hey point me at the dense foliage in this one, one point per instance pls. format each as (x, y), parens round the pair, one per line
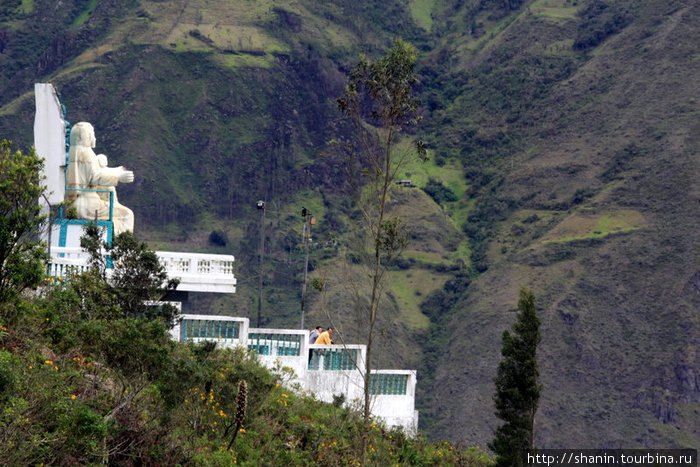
(21, 255)
(77, 389)
(439, 192)
(138, 284)
(599, 21)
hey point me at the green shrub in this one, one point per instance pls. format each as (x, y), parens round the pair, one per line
(7, 378)
(439, 192)
(599, 21)
(218, 238)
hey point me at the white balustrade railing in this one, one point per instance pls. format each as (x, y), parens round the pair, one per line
(66, 262)
(196, 263)
(68, 253)
(197, 272)
(200, 272)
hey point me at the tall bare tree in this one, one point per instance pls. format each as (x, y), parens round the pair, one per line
(380, 100)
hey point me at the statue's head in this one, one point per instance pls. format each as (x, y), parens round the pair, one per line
(82, 134)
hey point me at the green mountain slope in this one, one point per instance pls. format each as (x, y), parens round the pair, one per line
(565, 130)
(598, 214)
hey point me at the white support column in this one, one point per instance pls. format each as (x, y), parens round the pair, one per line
(50, 141)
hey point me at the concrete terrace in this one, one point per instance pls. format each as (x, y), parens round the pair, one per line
(324, 370)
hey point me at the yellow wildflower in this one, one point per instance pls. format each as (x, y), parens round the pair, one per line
(73, 396)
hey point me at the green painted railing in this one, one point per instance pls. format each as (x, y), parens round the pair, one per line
(333, 359)
(281, 345)
(388, 384)
(208, 329)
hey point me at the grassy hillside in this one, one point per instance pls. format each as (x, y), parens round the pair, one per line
(563, 137)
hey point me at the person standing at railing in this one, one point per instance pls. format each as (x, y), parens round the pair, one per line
(325, 337)
(314, 334)
(312, 339)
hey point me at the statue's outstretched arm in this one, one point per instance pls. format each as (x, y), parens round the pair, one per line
(126, 176)
(111, 176)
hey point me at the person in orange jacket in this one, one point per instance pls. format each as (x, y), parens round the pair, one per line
(325, 337)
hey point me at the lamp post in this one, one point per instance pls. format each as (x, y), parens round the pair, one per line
(48, 203)
(308, 221)
(261, 207)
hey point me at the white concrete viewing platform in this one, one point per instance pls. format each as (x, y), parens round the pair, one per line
(324, 370)
(197, 272)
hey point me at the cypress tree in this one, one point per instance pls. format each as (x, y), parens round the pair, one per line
(517, 388)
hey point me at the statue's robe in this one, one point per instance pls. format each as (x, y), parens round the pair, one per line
(85, 172)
